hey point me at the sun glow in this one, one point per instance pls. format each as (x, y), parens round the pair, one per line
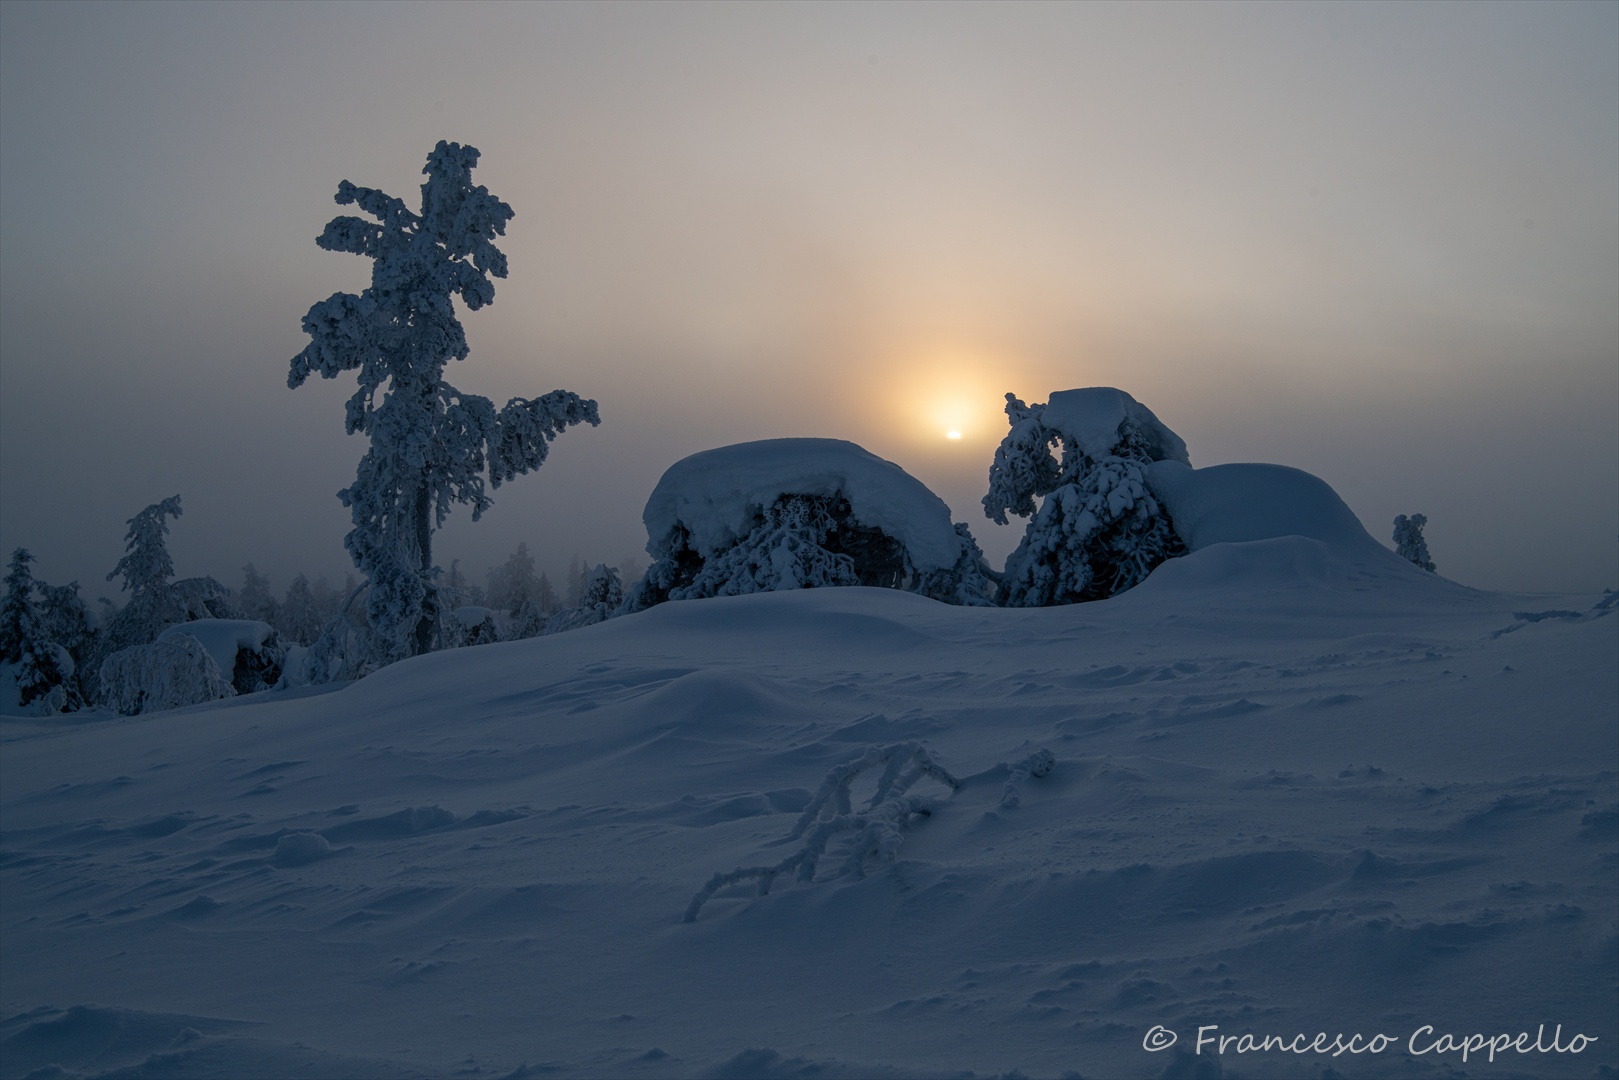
(942, 400)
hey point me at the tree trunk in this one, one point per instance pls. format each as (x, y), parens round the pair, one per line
(424, 544)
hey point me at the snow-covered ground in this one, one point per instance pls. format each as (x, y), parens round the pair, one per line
(1299, 787)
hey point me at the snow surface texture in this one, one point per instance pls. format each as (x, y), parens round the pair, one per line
(1295, 785)
(717, 495)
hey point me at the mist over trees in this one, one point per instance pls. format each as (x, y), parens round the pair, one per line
(764, 516)
(819, 513)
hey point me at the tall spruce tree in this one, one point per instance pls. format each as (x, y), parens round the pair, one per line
(431, 446)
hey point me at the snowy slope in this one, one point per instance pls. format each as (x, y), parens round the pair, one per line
(1299, 787)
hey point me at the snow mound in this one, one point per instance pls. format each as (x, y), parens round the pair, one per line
(222, 638)
(1091, 418)
(1234, 504)
(717, 495)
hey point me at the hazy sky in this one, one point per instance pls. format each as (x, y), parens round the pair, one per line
(1376, 241)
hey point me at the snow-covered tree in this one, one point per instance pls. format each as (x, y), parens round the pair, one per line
(799, 514)
(460, 588)
(146, 566)
(431, 446)
(1409, 542)
(66, 621)
(1097, 529)
(602, 596)
(573, 590)
(298, 617)
(164, 674)
(255, 599)
(513, 582)
(19, 621)
(545, 597)
(44, 669)
(530, 621)
(152, 606)
(155, 603)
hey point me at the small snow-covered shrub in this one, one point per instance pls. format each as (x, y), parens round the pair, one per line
(161, 675)
(798, 514)
(1097, 529)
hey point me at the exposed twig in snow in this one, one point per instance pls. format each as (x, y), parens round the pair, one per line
(1038, 764)
(829, 813)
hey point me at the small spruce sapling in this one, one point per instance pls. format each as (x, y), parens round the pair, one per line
(431, 446)
(1409, 542)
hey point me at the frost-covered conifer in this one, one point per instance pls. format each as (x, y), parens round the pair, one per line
(298, 618)
(431, 445)
(600, 599)
(44, 669)
(462, 591)
(545, 597)
(65, 617)
(530, 621)
(574, 588)
(155, 602)
(513, 583)
(19, 621)
(1409, 542)
(255, 601)
(1097, 529)
(152, 606)
(146, 566)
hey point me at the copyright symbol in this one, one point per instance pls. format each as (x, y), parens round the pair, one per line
(1159, 1038)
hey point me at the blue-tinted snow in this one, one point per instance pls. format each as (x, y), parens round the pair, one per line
(1298, 786)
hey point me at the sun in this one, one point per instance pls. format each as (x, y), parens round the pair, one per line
(953, 435)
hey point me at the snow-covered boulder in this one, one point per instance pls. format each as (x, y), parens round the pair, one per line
(801, 513)
(1233, 504)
